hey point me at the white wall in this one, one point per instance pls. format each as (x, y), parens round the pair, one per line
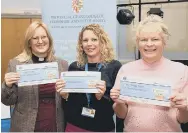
(176, 18)
(16, 6)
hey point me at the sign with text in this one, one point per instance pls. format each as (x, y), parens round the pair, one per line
(66, 18)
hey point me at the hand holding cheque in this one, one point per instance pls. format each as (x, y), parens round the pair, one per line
(114, 94)
(179, 100)
(11, 78)
(149, 93)
(33, 74)
(81, 82)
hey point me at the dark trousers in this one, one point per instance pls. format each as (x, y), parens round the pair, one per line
(119, 124)
(184, 127)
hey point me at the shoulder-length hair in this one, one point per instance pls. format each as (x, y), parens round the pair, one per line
(27, 52)
(106, 49)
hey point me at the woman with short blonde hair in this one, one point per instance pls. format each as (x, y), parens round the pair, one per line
(159, 86)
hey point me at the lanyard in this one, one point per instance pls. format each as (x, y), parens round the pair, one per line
(88, 95)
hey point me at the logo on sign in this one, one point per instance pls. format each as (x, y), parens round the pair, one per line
(77, 5)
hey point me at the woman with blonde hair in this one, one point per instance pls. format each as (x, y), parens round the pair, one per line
(38, 108)
(95, 53)
(151, 37)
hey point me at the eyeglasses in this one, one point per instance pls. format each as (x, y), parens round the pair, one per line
(36, 39)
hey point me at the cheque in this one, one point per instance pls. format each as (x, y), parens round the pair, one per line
(81, 81)
(145, 92)
(33, 74)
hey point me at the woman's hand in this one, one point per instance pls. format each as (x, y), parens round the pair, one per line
(120, 106)
(11, 78)
(114, 95)
(179, 100)
(101, 85)
(60, 84)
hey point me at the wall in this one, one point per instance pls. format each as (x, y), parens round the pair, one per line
(175, 16)
(19, 5)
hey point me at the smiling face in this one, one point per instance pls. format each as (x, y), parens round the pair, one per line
(91, 46)
(40, 42)
(150, 44)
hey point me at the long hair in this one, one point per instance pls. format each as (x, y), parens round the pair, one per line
(27, 52)
(106, 49)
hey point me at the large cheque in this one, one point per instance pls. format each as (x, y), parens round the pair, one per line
(145, 92)
(81, 81)
(34, 74)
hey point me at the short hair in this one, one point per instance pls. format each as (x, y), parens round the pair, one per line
(27, 52)
(106, 49)
(158, 22)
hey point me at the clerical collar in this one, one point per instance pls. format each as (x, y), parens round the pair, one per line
(38, 59)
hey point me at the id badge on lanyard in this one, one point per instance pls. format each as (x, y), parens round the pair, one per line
(88, 111)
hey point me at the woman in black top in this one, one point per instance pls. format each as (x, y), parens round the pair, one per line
(95, 53)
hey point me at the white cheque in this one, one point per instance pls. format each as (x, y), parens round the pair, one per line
(81, 81)
(145, 91)
(33, 74)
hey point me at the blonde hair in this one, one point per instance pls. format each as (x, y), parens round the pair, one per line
(106, 49)
(156, 21)
(27, 52)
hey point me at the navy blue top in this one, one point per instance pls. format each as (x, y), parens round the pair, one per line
(103, 120)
